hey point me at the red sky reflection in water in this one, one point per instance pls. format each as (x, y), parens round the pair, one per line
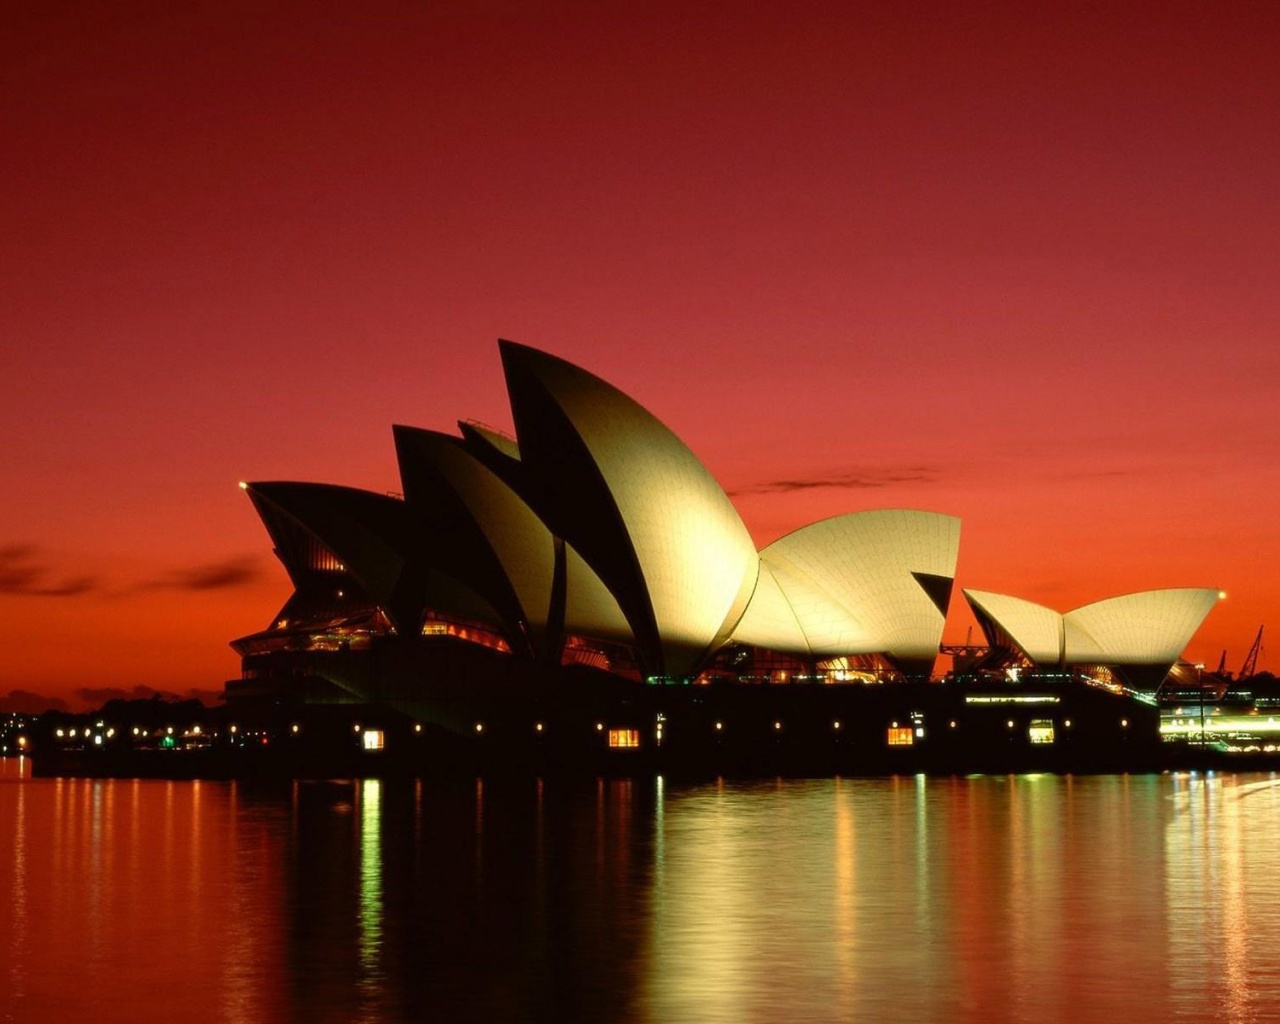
(1009, 263)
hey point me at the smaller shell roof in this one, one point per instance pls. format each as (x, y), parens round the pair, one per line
(367, 533)
(1147, 628)
(1151, 627)
(860, 583)
(1032, 628)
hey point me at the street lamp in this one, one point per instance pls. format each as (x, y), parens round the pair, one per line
(1200, 687)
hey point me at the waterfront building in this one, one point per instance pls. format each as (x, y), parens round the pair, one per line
(559, 574)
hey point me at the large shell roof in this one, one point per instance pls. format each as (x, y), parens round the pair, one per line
(636, 503)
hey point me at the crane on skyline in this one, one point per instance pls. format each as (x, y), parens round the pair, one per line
(1250, 666)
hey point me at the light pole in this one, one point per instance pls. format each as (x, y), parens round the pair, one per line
(1200, 687)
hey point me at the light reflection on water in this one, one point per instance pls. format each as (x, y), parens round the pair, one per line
(371, 980)
(1029, 898)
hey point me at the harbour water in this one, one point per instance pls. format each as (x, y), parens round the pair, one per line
(982, 899)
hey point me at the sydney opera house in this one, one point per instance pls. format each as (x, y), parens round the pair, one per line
(589, 576)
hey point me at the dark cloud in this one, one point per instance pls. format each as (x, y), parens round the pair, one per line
(24, 702)
(232, 572)
(24, 572)
(96, 696)
(206, 697)
(856, 479)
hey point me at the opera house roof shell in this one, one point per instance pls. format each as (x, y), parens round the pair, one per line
(1150, 628)
(597, 525)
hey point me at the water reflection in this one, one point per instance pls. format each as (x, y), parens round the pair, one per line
(1223, 892)
(1022, 898)
(122, 904)
(959, 900)
(370, 917)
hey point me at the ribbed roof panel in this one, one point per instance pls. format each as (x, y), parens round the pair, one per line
(853, 585)
(643, 511)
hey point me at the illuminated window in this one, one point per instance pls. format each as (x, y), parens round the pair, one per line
(374, 739)
(1041, 730)
(624, 737)
(901, 737)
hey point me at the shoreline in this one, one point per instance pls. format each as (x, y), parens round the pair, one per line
(236, 764)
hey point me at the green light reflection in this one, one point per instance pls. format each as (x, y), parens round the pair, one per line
(370, 877)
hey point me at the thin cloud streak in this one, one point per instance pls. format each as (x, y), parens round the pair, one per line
(25, 572)
(859, 479)
(22, 572)
(232, 572)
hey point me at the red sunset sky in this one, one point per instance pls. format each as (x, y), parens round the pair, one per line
(1016, 262)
